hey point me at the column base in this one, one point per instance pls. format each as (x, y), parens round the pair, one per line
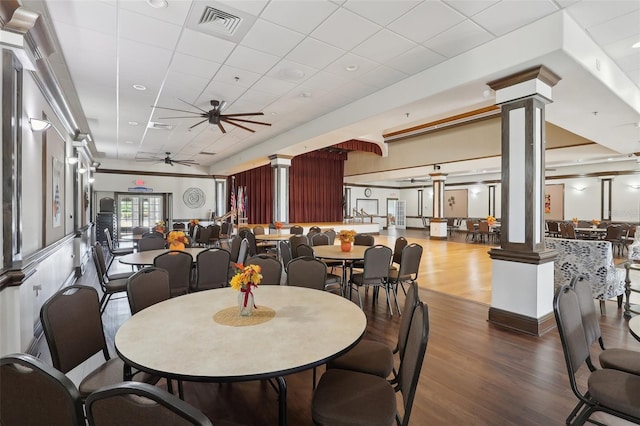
(521, 323)
(438, 229)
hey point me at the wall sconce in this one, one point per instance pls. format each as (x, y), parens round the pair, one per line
(82, 169)
(475, 192)
(91, 179)
(635, 186)
(580, 188)
(38, 125)
(72, 160)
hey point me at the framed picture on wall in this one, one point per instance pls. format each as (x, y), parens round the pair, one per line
(57, 188)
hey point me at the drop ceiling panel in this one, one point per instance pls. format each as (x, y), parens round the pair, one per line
(315, 53)
(251, 60)
(618, 28)
(291, 72)
(382, 13)
(271, 38)
(363, 66)
(458, 39)
(415, 60)
(345, 30)
(383, 46)
(506, 16)
(324, 81)
(227, 75)
(591, 13)
(425, 21)
(273, 86)
(191, 66)
(83, 14)
(301, 16)
(204, 46)
(175, 12)
(143, 64)
(382, 77)
(144, 29)
(470, 7)
(254, 7)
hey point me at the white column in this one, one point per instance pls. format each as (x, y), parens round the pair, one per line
(522, 270)
(280, 166)
(438, 223)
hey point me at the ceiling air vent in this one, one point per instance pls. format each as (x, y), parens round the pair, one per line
(207, 153)
(159, 126)
(219, 20)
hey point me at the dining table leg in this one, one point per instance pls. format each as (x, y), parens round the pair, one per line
(282, 401)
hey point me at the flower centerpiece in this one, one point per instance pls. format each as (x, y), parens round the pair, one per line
(177, 240)
(193, 222)
(491, 220)
(245, 278)
(346, 237)
(278, 226)
(160, 226)
(595, 223)
(575, 221)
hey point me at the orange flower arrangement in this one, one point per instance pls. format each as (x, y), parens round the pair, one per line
(177, 237)
(347, 236)
(595, 222)
(278, 225)
(194, 222)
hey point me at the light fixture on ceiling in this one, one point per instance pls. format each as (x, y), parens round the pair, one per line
(351, 67)
(139, 87)
(636, 45)
(129, 142)
(133, 123)
(158, 4)
(72, 160)
(38, 125)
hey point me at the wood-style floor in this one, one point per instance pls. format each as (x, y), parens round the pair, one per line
(473, 374)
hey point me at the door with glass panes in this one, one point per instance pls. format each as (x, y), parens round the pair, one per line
(138, 210)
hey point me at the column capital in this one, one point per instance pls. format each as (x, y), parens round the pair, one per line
(438, 176)
(280, 160)
(531, 82)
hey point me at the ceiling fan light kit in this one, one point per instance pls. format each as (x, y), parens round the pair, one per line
(216, 117)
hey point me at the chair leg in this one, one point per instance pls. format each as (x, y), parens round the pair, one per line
(603, 308)
(104, 301)
(620, 301)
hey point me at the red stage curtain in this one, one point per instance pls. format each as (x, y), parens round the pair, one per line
(315, 187)
(259, 193)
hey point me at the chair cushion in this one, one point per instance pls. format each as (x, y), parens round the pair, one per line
(351, 398)
(109, 373)
(121, 251)
(616, 389)
(368, 356)
(621, 359)
(120, 276)
(114, 286)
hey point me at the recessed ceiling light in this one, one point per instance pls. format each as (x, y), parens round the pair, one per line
(636, 45)
(129, 142)
(351, 68)
(291, 73)
(609, 159)
(133, 123)
(305, 94)
(274, 113)
(158, 4)
(139, 87)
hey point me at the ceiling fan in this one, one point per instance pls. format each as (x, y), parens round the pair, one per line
(170, 161)
(215, 116)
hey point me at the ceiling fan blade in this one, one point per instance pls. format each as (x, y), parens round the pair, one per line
(179, 110)
(244, 114)
(221, 106)
(236, 124)
(221, 128)
(187, 162)
(248, 121)
(195, 106)
(191, 116)
(198, 123)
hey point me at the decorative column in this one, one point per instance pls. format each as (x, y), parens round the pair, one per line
(522, 270)
(438, 223)
(280, 166)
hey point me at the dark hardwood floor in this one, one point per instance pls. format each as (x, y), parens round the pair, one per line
(473, 374)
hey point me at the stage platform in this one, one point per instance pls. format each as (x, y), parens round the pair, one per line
(359, 227)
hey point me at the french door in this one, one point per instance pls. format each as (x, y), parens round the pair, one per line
(138, 210)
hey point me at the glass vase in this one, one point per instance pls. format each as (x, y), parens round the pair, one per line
(245, 304)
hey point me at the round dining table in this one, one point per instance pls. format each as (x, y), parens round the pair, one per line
(145, 258)
(334, 252)
(188, 338)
